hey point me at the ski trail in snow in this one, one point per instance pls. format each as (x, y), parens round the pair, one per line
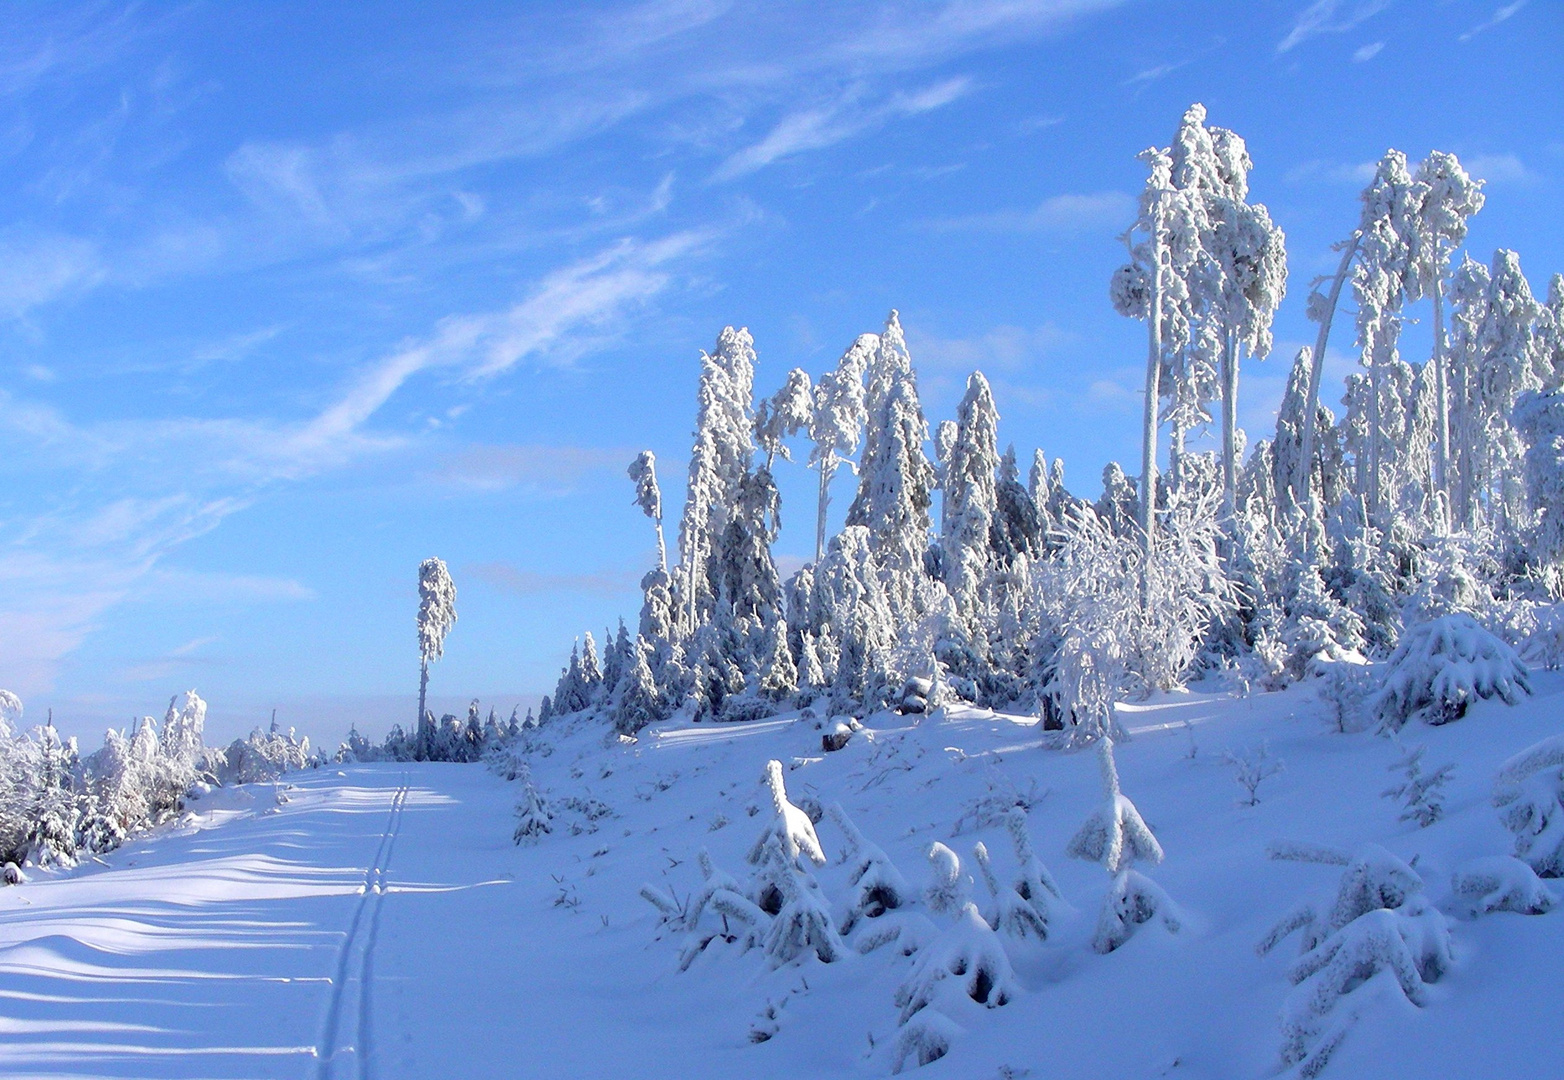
(365, 1055)
(353, 965)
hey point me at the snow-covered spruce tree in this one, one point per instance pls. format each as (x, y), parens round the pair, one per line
(970, 498)
(1450, 198)
(533, 817)
(1507, 367)
(1539, 418)
(1467, 293)
(1420, 794)
(857, 629)
(802, 922)
(837, 422)
(637, 702)
(719, 465)
(1033, 881)
(783, 415)
(1009, 913)
(1501, 883)
(51, 835)
(1379, 921)
(895, 479)
(1550, 334)
(1116, 836)
(794, 832)
(643, 474)
(1529, 795)
(436, 616)
(1442, 666)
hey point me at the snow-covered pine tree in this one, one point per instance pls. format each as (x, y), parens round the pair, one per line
(1508, 366)
(1539, 419)
(970, 500)
(719, 465)
(837, 422)
(895, 479)
(643, 474)
(1116, 836)
(786, 413)
(1450, 198)
(637, 703)
(436, 616)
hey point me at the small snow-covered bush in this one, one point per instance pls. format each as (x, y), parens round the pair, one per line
(925, 1039)
(1529, 795)
(877, 886)
(1440, 666)
(1133, 900)
(1010, 913)
(1033, 881)
(1545, 644)
(1380, 921)
(803, 924)
(949, 889)
(970, 955)
(1501, 883)
(1253, 768)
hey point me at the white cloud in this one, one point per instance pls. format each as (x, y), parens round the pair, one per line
(827, 125)
(1366, 53)
(540, 468)
(1500, 169)
(1056, 214)
(36, 270)
(1329, 17)
(1500, 15)
(1359, 173)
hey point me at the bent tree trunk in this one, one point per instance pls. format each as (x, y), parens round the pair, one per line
(1304, 476)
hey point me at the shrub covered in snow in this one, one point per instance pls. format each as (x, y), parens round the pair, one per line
(1441, 666)
(1529, 795)
(877, 886)
(969, 958)
(1379, 921)
(1420, 794)
(1501, 883)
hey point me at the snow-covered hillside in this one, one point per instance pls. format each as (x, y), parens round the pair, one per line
(377, 920)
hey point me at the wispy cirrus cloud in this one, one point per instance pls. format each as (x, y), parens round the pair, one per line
(544, 469)
(1057, 214)
(817, 128)
(1502, 14)
(1329, 17)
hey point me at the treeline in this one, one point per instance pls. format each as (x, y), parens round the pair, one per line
(1439, 489)
(58, 806)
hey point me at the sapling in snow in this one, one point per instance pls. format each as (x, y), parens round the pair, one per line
(802, 924)
(1380, 920)
(949, 888)
(877, 886)
(1251, 769)
(1011, 914)
(533, 816)
(1033, 881)
(1420, 794)
(1116, 836)
(968, 955)
(789, 825)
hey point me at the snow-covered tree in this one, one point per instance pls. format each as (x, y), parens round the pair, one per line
(970, 499)
(1442, 666)
(895, 479)
(436, 616)
(1539, 419)
(837, 422)
(1529, 795)
(643, 474)
(786, 413)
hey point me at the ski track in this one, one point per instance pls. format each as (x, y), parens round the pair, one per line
(355, 962)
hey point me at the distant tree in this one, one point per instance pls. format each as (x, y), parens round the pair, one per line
(436, 616)
(643, 473)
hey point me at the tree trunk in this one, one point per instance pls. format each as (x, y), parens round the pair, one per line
(662, 548)
(423, 687)
(1230, 423)
(1148, 452)
(1442, 389)
(1375, 430)
(1312, 405)
(827, 470)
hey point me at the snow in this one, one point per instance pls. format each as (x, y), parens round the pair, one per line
(380, 921)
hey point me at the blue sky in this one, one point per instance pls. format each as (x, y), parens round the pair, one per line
(295, 295)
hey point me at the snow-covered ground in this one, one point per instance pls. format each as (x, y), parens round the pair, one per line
(378, 921)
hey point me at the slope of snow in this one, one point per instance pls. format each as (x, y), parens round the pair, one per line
(380, 922)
